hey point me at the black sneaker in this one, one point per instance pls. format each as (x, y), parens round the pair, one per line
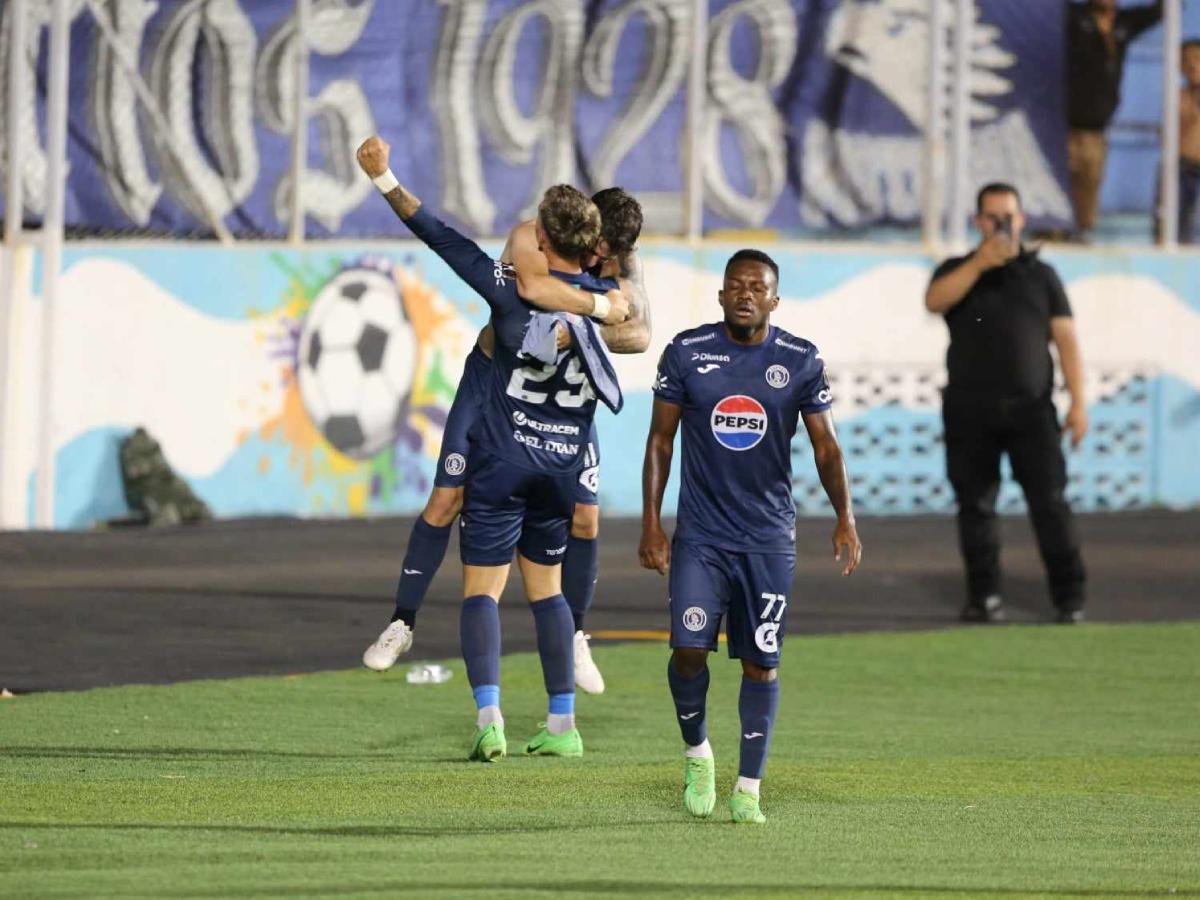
(990, 611)
(1070, 617)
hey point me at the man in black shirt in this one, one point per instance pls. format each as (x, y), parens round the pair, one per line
(1098, 34)
(1003, 306)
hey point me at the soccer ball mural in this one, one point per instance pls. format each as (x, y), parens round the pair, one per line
(355, 361)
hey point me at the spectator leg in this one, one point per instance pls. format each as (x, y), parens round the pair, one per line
(1035, 450)
(1189, 194)
(973, 467)
(1086, 155)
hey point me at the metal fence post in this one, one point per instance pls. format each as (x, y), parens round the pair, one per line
(1168, 202)
(933, 205)
(960, 128)
(15, 184)
(300, 126)
(697, 93)
(52, 244)
(14, 213)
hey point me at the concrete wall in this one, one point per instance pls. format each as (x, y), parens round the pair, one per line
(201, 345)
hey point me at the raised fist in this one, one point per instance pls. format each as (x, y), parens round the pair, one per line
(618, 310)
(373, 156)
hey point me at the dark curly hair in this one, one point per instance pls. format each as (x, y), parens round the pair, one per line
(620, 218)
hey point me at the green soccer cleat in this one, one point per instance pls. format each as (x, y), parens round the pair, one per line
(744, 807)
(699, 786)
(569, 743)
(489, 743)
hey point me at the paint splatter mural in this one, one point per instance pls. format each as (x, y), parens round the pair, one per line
(317, 382)
(362, 350)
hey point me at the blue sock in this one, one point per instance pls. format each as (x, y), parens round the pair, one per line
(426, 550)
(486, 695)
(757, 705)
(690, 695)
(581, 564)
(556, 646)
(479, 631)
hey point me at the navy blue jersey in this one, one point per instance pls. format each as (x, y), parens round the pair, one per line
(533, 415)
(741, 406)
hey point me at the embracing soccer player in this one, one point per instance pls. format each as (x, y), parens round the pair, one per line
(538, 399)
(739, 386)
(626, 329)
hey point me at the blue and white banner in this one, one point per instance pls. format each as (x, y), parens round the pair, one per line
(814, 109)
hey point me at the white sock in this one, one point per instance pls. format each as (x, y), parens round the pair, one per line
(749, 785)
(700, 751)
(488, 715)
(560, 723)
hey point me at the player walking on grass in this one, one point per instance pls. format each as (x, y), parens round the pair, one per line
(528, 451)
(739, 386)
(615, 256)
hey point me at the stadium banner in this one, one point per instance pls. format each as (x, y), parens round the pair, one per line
(814, 110)
(212, 350)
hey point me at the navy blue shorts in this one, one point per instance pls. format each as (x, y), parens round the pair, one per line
(507, 507)
(751, 589)
(464, 411)
(455, 455)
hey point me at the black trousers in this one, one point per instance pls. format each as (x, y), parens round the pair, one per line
(978, 430)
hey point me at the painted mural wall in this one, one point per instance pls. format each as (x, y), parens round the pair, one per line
(317, 382)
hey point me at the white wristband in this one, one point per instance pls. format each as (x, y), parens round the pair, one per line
(600, 307)
(386, 182)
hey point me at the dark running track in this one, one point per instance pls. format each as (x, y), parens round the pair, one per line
(258, 597)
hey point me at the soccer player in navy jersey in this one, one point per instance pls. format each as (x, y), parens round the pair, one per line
(739, 386)
(529, 446)
(615, 256)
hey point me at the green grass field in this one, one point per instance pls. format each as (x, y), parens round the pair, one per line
(1030, 761)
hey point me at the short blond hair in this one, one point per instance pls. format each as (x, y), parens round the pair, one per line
(571, 222)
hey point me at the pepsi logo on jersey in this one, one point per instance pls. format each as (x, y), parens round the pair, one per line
(738, 422)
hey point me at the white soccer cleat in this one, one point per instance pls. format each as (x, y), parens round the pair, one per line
(396, 639)
(587, 676)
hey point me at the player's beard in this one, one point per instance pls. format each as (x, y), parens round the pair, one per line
(744, 334)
